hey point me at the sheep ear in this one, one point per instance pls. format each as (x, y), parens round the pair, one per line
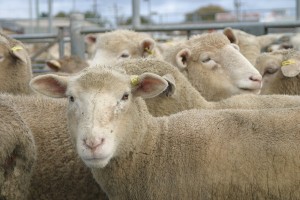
(20, 53)
(171, 85)
(148, 47)
(148, 85)
(182, 58)
(90, 39)
(53, 64)
(290, 68)
(230, 35)
(50, 85)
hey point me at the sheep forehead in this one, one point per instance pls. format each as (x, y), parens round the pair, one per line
(99, 78)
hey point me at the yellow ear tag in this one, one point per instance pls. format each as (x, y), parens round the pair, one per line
(16, 48)
(287, 62)
(151, 52)
(135, 80)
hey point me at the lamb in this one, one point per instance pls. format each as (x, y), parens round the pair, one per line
(15, 66)
(17, 154)
(250, 45)
(214, 66)
(67, 64)
(181, 95)
(280, 70)
(117, 45)
(58, 174)
(232, 154)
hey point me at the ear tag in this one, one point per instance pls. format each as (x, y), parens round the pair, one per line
(287, 62)
(135, 80)
(16, 48)
(150, 52)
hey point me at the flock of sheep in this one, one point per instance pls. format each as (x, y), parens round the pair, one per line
(209, 117)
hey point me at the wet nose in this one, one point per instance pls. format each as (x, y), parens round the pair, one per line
(93, 144)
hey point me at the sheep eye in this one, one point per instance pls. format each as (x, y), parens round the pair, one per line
(271, 70)
(71, 99)
(124, 55)
(125, 96)
(206, 60)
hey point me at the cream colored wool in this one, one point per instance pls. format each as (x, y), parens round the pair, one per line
(17, 155)
(195, 154)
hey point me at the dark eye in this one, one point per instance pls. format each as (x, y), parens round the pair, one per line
(71, 99)
(125, 96)
(270, 70)
(124, 55)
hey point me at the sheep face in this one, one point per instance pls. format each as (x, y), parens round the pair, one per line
(217, 69)
(100, 107)
(123, 44)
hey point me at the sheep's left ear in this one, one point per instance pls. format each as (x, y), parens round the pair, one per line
(50, 85)
(54, 65)
(148, 85)
(290, 68)
(148, 47)
(230, 35)
(19, 52)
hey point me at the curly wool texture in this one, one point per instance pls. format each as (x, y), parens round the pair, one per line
(277, 83)
(17, 155)
(15, 74)
(58, 173)
(187, 97)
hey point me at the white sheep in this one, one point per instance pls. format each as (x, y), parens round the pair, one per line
(232, 154)
(58, 173)
(17, 154)
(280, 70)
(15, 66)
(181, 95)
(214, 66)
(250, 45)
(117, 45)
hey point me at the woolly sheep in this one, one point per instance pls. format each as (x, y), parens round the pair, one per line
(250, 45)
(17, 155)
(67, 64)
(214, 66)
(286, 41)
(181, 95)
(117, 45)
(58, 174)
(233, 154)
(15, 66)
(280, 70)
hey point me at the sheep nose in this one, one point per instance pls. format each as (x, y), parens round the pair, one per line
(93, 144)
(256, 78)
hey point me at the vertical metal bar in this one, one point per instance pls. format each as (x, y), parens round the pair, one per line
(297, 9)
(61, 43)
(50, 16)
(37, 13)
(30, 16)
(136, 21)
(77, 42)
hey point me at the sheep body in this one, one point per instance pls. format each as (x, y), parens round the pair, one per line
(17, 155)
(236, 154)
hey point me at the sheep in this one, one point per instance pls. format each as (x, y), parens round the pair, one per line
(181, 95)
(15, 66)
(58, 174)
(117, 45)
(232, 154)
(214, 66)
(286, 41)
(67, 64)
(250, 45)
(280, 71)
(17, 154)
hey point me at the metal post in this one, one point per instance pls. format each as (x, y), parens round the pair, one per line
(77, 42)
(136, 21)
(37, 13)
(50, 17)
(61, 43)
(297, 9)
(30, 16)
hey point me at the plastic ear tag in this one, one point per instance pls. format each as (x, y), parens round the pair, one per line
(151, 52)
(287, 62)
(135, 80)
(16, 48)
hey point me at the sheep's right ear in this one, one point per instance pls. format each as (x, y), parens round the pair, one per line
(20, 53)
(290, 68)
(182, 58)
(90, 39)
(50, 85)
(230, 35)
(171, 85)
(54, 65)
(148, 85)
